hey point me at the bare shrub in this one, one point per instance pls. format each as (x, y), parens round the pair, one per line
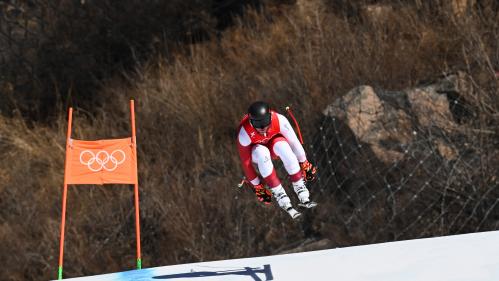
(188, 106)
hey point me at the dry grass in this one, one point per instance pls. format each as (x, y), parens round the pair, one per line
(187, 110)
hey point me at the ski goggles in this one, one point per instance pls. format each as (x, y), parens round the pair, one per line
(260, 123)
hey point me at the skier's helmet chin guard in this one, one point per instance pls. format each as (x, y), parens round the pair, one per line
(259, 114)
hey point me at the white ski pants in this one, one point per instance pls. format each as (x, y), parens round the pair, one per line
(262, 157)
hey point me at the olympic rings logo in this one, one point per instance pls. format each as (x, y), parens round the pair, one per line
(102, 160)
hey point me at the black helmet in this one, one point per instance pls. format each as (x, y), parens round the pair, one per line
(259, 114)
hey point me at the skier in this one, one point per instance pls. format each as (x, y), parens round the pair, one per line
(263, 135)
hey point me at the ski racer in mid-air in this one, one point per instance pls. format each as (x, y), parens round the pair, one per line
(264, 135)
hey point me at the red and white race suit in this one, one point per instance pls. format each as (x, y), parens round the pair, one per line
(280, 141)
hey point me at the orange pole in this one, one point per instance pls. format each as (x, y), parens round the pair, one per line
(288, 109)
(64, 194)
(136, 190)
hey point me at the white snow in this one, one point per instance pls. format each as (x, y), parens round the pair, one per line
(468, 257)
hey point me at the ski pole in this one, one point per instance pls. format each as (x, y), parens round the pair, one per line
(243, 182)
(288, 109)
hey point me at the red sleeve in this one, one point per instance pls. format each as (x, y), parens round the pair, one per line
(245, 155)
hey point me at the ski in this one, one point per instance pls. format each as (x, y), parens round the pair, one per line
(308, 205)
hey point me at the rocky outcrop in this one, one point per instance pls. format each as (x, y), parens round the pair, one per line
(402, 164)
(378, 117)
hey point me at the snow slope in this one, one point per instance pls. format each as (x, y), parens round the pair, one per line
(468, 257)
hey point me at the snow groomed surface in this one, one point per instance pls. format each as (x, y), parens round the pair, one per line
(468, 257)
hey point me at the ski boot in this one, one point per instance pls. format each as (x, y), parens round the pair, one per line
(303, 195)
(293, 213)
(284, 202)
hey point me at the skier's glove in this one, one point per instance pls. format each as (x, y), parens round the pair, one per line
(309, 171)
(262, 193)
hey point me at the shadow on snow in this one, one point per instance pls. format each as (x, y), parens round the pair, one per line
(245, 271)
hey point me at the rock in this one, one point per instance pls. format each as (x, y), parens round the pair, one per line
(431, 108)
(458, 83)
(388, 121)
(446, 150)
(373, 121)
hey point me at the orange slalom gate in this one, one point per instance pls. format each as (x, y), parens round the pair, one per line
(110, 161)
